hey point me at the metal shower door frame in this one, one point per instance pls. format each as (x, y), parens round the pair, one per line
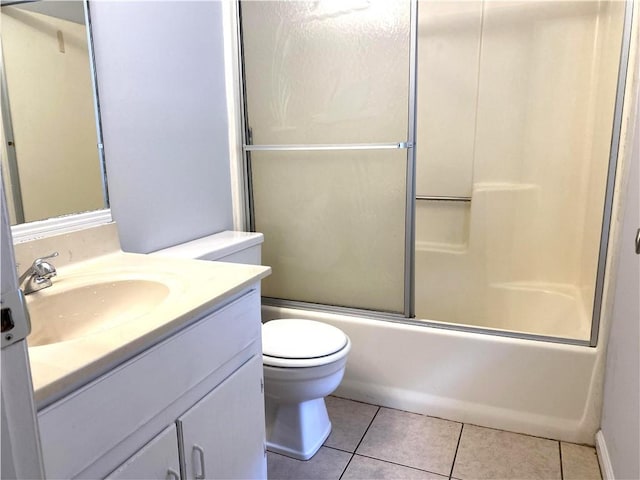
(408, 317)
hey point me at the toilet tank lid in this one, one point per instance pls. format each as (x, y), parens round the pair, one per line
(297, 338)
(213, 246)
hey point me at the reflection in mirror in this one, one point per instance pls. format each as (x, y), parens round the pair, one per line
(51, 161)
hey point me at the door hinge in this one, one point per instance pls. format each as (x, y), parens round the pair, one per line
(261, 385)
(15, 318)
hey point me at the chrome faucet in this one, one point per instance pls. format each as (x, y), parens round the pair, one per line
(38, 276)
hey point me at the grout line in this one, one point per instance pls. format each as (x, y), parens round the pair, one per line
(355, 401)
(514, 432)
(402, 465)
(561, 469)
(423, 414)
(361, 438)
(337, 449)
(417, 413)
(365, 432)
(346, 466)
(453, 464)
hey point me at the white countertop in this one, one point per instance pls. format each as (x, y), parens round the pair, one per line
(196, 287)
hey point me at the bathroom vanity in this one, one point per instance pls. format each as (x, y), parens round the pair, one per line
(197, 392)
(174, 392)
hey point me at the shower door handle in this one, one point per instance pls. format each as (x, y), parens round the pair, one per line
(638, 242)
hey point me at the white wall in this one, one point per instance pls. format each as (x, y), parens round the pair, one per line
(621, 409)
(160, 68)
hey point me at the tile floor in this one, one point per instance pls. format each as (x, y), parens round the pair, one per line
(370, 442)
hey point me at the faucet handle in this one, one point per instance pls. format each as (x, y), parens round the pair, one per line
(51, 255)
(44, 269)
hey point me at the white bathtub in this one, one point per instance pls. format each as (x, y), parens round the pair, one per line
(539, 388)
(551, 310)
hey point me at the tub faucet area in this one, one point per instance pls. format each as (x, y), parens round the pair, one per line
(38, 275)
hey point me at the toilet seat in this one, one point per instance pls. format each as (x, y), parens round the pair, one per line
(292, 343)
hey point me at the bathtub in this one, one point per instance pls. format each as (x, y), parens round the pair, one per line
(487, 264)
(544, 389)
(542, 309)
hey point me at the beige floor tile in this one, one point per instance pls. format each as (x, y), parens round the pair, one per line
(349, 420)
(413, 440)
(579, 462)
(327, 464)
(371, 469)
(484, 453)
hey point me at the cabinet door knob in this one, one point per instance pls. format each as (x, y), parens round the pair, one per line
(198, 449)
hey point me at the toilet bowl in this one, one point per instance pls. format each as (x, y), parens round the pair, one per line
(304, 360)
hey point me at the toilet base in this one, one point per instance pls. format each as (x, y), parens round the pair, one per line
(297, 430)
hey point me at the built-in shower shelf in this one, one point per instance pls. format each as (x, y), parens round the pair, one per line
(446, 248)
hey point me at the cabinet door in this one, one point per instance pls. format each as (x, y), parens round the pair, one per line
(158, 459)
(224, 433)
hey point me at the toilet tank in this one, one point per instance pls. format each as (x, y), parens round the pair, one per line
(234, 247)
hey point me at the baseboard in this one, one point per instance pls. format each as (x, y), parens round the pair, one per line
(603, 457)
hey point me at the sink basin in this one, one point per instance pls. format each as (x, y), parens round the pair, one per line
(69, 310)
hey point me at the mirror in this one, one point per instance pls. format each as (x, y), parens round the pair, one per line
(52, 161)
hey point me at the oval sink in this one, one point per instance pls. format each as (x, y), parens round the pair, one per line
(76, 311)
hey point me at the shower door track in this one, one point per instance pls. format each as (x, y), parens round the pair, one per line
(400, 318)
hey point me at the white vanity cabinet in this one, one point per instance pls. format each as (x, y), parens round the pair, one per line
(226, 445)
(218, 437)
(189, 405)
(157, 460)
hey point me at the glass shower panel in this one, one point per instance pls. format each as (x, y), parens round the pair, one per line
(334, 225)
(524, 256)
(326, 72)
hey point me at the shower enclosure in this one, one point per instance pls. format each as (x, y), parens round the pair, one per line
(438, 163)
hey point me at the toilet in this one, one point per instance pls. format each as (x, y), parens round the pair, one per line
(303, 360)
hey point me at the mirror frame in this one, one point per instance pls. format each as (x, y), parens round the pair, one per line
(25, 232)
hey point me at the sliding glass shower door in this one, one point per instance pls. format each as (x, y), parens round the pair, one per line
(327, 127)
